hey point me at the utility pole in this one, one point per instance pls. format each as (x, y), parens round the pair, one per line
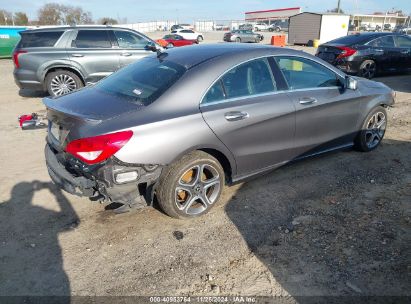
(338, 7)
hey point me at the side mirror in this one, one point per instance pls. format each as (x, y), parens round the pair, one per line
(151, 46)
(350, 83)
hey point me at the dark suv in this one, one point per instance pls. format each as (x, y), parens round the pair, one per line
(62, 59)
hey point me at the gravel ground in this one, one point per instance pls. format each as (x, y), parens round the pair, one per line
(333, 225)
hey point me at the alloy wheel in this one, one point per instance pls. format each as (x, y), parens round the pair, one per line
(368, 70)
(62, 84)
(375, 129)
(198, 188)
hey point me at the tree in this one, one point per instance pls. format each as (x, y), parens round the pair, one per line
(335, 10)
(75, 15)
(50, 14)
(21, 18)
(5, 18)
(55, 14)
(107, 20)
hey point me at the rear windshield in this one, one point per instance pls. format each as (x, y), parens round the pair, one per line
(142, 82)
(39, 39)
(349, 40)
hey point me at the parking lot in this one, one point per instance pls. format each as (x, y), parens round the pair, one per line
(338, 224)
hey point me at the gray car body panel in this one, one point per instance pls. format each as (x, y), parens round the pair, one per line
(92, 64)
(176, 123)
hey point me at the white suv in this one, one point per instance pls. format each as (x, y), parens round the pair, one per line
(261, 27)
(189, 34)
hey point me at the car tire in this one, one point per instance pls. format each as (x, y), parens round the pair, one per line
(61, 82)
(271, 29)
(278, 29)
(372, 130)
(256, 29)
(238, 39)
(179, 185)
(170, 45)
(200, 39)
(368, 69)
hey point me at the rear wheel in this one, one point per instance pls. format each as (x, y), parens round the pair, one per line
(368, 69)
(191, 186)
(170, 45)
(277, 29)
(372, 130)
(62, 82)
(238, 39)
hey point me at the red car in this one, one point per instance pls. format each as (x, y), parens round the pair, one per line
(177, 40)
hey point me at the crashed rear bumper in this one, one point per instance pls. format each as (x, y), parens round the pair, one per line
(100, 182)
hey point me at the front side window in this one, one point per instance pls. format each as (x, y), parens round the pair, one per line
(92, 39)
(403, 41)
(143, 81)
(248, 79)
(127, 40)
(301, 73)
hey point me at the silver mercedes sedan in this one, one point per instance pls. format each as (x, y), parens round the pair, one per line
(180, 125)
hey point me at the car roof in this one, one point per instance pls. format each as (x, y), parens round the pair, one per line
(64, 28)
(194, 55)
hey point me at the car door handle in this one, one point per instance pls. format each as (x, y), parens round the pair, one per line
(77, 55)
(234, 116)
(307, 100)
(126, 54)
(379, 50)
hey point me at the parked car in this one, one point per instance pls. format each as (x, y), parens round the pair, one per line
(368, 54)
(261, 27)
(189, 34)
(402, 30)
(279, 26)
(60, 60)
(182, 26)
(180, 125)
(221, 27)
(177, 40)
(370, 28)
(387, 27)
(242, 36)
(246, 26)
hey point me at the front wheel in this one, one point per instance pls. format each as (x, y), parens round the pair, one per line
(238, 39)
(368, 69)
(191, 186)
(200, 38)
(372, 130)
(170, 45)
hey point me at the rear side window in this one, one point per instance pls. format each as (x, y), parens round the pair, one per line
(39, 39)
(248, 79)
(301, 73)
(92, 39)
(403, 41)
(385, 41)
(143, 81)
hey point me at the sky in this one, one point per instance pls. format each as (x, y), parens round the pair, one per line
(190, 10)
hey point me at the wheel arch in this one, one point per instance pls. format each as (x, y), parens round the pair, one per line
(62, 67)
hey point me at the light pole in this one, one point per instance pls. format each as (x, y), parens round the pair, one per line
(338, 7)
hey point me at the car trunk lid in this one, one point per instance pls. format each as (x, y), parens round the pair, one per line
(72, 116)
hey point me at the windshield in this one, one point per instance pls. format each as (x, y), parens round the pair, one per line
(142, 82)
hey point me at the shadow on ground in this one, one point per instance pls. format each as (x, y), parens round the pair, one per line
(339, 226)
(31, 263)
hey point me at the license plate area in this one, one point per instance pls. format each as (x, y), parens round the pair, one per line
(55, 131)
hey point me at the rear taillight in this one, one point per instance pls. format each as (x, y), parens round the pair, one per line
(16, 58)
(346, 51)
(93, 150)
